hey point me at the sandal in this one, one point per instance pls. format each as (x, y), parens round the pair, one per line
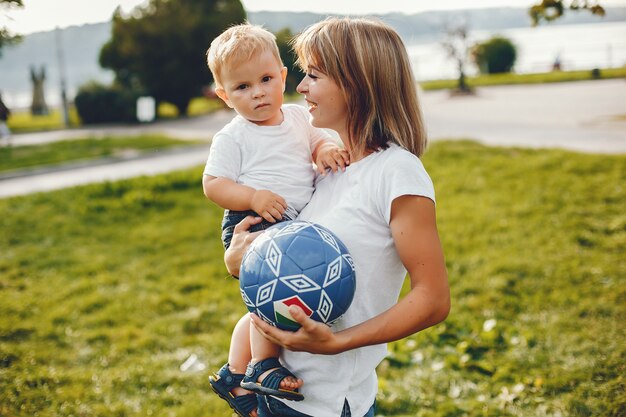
(223, 383)
(271, 382)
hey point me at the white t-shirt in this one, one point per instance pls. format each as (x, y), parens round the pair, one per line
(275, 158)
(356, 206)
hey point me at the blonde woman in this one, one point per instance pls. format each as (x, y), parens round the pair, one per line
(359, 83)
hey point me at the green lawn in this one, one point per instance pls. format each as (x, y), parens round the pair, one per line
(23, 121)
(106, 289)
(538, 78)
(21, 157)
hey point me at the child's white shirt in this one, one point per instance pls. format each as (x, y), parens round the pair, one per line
(275, 158)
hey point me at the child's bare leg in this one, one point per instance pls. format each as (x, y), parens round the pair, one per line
(263, 349)
(240, 354)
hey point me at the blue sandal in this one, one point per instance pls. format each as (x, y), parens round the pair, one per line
(271, 382)
(223, 383)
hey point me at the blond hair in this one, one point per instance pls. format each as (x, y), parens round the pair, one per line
(368, 61)
(237, 45)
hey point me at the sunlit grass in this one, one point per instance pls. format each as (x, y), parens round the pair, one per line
(197, 106)
(538, 78)
(106, 289)
(534, 242)
(21, 157)
(24, 121)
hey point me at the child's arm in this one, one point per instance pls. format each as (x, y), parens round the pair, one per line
(228, 194)
(329, 155)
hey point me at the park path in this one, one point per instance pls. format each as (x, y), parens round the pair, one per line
(586, 116)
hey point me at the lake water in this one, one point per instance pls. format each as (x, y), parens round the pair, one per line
(579, 47)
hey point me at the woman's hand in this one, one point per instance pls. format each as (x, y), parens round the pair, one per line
(313, 337)
(239, 244)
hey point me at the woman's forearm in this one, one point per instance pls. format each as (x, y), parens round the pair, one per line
(419, 309)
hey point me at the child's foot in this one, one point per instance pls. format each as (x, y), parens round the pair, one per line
(226, 384)
(290, 382)
(269, 377)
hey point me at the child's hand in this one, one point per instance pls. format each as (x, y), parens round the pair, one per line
(333, 158)
(268, 205)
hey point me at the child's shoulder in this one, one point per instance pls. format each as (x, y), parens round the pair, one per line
(294, 110)
(234, 126)
(297, 115)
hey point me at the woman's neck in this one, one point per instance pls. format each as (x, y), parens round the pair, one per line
(354, 156)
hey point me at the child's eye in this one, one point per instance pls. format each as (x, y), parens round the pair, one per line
(266, 78)
(242, 86)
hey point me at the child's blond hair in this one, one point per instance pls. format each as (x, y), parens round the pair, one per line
(237, 45)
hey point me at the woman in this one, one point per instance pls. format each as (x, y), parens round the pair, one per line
(359, 83)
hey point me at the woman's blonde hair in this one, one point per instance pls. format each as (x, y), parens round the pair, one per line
(368, 61)
(237, 45)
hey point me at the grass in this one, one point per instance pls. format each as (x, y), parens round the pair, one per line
(22, 157)
(534, 242)
(538, 78)
(106, 289)
(23, 121)
(197, 106)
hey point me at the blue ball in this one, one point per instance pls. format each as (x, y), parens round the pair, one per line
(301, 263)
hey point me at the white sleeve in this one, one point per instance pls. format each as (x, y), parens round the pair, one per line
(315, 135)
(224, 158)
(404, 175)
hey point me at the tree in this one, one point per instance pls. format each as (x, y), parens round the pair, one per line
(456, 44)
(495, 56)
(549, 10)
(283, 39)
(161, 47)
(6, 37)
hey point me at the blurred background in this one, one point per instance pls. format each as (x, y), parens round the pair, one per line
(79, 44)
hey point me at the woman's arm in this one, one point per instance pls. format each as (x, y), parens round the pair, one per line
(414, 230)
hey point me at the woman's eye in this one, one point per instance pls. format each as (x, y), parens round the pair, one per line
(311, 76)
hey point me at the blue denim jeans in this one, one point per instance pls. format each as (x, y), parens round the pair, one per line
(271, 407)
(230, 220)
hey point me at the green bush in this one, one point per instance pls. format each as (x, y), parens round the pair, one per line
(97, 103)
(495, 56)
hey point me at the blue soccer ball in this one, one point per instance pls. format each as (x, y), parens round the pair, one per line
(301, 263)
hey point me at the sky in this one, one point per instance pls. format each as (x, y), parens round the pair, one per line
(42, 15)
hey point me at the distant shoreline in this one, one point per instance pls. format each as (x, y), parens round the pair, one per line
(82, 45)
